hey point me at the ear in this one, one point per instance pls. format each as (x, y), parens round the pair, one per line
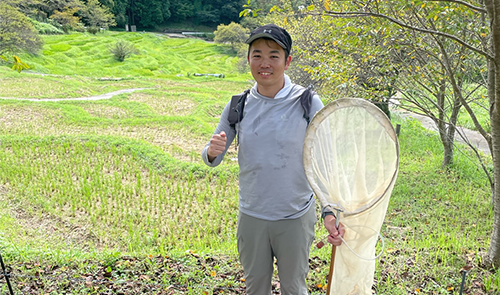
(287, 62)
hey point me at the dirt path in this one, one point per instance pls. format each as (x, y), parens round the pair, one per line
(474, 137)
(96, 97)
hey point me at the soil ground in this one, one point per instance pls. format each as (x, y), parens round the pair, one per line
(463, 135)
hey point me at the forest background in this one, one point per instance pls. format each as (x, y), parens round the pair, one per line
(149, 15)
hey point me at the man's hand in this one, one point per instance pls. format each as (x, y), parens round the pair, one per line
(217, 145)
(335, 233)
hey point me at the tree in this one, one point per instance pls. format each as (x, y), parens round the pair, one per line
(47, 8)
(28, 7)
(493, 59)
(206, 12)
(226, 11)
(120, 12)
(472, 29)
(106, 3)
(150, 13)
(310, 65)
(233, 33)
(181, 10)
(73, 14)
(442, 74)
(68, 18)
(97, 16)
(482, 38)
(343, 57)
(16, 31)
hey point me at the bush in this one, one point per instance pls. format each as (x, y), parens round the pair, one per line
(233, 33)
(123, 49)
(93, 30)
(209, 36)
(16, 31)
(46, 28)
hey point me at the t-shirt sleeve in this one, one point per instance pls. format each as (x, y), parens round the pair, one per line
(230, 134)
(316, 105)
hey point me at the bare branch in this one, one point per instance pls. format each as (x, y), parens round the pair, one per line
(404, 25)
(476, 8)
(458, 93)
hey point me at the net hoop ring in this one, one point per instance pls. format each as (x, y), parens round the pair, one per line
(316, 121)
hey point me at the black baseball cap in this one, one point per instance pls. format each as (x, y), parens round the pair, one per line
(273, 32)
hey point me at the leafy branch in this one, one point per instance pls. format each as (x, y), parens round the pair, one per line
(404, 25)
(248, 10)
(18, 65)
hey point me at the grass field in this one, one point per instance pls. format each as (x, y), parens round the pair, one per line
(111, 196)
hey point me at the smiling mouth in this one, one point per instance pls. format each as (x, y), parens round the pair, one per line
(265, 73)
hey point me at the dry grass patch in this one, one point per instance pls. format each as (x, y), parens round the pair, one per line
(165, 105)
(34, 86)
(40, 87)
(28, 118)
(181, 144)
(108, 112)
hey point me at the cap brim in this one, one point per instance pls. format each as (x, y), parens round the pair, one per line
(265, 35)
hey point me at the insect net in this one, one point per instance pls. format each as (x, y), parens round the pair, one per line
(351, 158)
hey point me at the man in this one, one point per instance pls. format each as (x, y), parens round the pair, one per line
(277, 205)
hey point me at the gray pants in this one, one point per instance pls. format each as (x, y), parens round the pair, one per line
(259, 241)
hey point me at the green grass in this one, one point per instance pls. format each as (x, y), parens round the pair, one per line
(107, 185)
(159, 56)
(438, 220)
(95, 192)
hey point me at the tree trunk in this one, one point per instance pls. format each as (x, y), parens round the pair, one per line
(493, 256)
(450, 134)
(493, 7)
(445, 130)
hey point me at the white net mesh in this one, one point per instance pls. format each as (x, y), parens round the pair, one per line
(351, 157)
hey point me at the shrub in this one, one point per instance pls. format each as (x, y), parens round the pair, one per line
(123, 49)
(209, 36)
(46, 28)
(93, 30)
(233, 33)
(16, 31)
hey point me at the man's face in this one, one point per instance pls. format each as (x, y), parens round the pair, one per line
(268, 63)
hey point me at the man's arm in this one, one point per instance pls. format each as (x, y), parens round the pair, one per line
(216, 148)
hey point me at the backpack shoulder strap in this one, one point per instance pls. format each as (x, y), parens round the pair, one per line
(306, 101)
(236, 107)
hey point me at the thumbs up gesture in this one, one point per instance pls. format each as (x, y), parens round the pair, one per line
(217, 145)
